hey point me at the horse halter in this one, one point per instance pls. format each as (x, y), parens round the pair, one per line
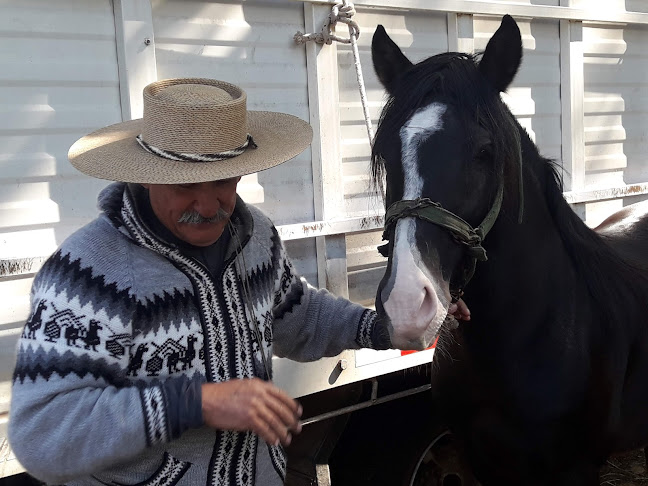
(462, 232)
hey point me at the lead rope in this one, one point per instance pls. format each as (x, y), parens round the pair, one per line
(247, 297)
(343, 12)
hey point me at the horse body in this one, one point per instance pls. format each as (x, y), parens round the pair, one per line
(545, 381)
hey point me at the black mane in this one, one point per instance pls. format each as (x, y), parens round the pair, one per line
(608, 276)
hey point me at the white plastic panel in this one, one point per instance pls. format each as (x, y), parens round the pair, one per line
(616, 104)
(58, 81)
(534, 95)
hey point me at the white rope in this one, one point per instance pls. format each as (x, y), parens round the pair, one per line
(353, 35)
(342, 12)
(185, 157)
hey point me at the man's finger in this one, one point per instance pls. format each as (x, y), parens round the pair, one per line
(277, 430)
(288, 416)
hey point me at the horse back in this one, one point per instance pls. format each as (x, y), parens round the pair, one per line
(627, 232)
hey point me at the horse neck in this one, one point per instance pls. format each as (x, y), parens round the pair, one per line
(530, 274)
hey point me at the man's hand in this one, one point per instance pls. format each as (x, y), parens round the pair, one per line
(459, 310)
(251, 404)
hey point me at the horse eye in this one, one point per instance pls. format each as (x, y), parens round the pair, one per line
(484, 153)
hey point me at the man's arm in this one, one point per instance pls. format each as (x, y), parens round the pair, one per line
(312, 323)
(73, 410)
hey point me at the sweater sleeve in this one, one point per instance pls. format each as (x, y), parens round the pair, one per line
(312, 323)
(73, 409)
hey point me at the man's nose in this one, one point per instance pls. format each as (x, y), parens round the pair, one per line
(207, 202)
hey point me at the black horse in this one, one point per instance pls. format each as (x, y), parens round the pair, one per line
(551, 374)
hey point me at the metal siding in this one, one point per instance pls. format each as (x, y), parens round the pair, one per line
(58, 82)
(616, 110)
(616, 104)
(249, 44)
(636, 6)
(553, 3)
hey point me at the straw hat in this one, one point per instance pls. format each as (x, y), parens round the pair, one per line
(193, 130)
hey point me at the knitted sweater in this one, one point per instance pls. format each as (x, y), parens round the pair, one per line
(125, 328)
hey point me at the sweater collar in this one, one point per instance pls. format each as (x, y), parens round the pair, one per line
(111, 202)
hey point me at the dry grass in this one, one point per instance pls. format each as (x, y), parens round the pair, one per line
(627, 469)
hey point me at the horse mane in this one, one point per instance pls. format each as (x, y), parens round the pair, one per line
(455, 76)
(614, 283)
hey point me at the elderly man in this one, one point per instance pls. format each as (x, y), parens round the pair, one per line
(147, 356)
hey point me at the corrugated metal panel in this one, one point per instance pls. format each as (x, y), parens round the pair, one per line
(534, 95)
(616, 104)
(636, 6)
(616, 110)
(58, 81)
(604, 47)
(553, 3)
(249, 44)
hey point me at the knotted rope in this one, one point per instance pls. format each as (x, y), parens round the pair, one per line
(343, 12)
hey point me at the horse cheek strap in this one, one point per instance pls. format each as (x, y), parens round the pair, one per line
(432, 212)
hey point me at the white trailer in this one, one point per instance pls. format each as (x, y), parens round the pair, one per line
(71, 66)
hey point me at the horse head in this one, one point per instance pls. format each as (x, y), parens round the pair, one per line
(444, 143)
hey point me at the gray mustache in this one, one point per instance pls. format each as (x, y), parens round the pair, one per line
(194, 217)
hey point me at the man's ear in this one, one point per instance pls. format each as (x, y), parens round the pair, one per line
(388, 60)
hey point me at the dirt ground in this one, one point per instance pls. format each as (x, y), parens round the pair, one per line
(625, 470)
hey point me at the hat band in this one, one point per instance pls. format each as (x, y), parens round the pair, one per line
(182, 157)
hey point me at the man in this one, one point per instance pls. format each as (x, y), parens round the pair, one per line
(177, 297)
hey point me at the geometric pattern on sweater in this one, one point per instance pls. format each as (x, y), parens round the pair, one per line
(91, 289)
(367, 323)
(291, 289)
(37, 362)
(164, 310)
(227, 344)
(156, 427)
(278, 456)
(169, 473)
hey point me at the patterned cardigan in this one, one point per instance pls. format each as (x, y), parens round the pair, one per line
(124, 329)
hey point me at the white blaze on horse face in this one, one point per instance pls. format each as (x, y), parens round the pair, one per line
(412, 298)
(424, 123)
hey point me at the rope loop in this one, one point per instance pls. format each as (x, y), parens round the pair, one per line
(340, 12)
(343, 12)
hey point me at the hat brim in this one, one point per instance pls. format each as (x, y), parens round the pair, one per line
(112, 152)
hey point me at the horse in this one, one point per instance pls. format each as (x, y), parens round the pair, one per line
(550, 374)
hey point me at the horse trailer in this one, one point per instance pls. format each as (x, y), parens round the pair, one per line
(72, 66)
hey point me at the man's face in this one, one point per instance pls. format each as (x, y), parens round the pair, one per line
(182, 208)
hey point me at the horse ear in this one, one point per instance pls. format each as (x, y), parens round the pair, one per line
(388, 60)
(503, 54)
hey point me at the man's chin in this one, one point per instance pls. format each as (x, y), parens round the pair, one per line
(197, 236)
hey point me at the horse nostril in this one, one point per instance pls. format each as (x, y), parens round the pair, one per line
(428, 304)
(452, 480)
